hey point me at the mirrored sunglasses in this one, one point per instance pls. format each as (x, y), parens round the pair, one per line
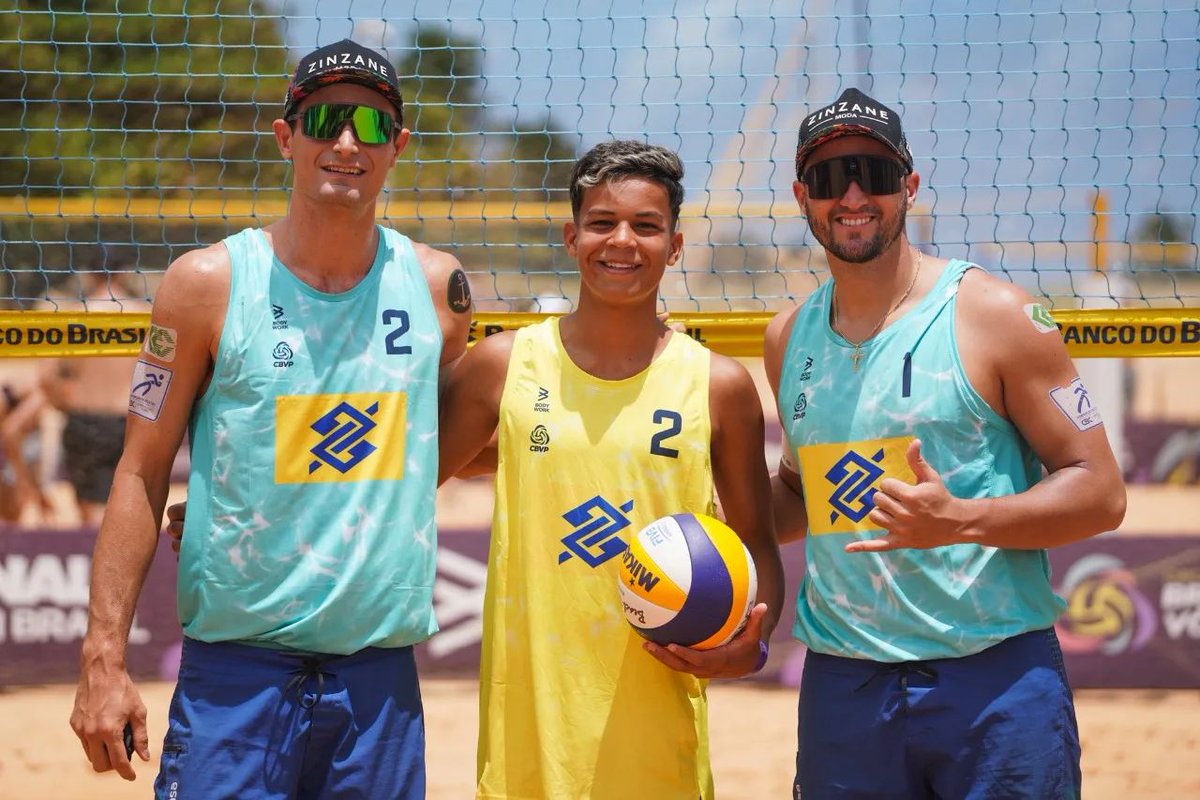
(829, 179)
(325, 122)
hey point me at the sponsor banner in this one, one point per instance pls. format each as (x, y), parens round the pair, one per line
(1133, 616)
(1088, 333)
(44, 584)
(1133, 610)
(41, 335)
(458, 604)
(1130, 332)
(1162, 452)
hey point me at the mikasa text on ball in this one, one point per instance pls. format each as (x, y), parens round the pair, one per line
(687, 579)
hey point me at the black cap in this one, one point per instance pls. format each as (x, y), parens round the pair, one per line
(853, 113)
(343, 62)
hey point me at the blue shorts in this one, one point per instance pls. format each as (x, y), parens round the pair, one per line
(996, 724)
(250, 722)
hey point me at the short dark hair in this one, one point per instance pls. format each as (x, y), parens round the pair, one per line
(626, 158)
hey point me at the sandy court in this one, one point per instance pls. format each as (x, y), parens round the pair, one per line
(1137, 744)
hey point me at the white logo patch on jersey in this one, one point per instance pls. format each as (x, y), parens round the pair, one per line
(1074, 402)
(149, 390)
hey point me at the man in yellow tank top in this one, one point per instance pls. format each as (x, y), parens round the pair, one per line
(606, 421)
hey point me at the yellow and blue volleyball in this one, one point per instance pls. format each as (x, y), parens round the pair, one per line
(687, 579)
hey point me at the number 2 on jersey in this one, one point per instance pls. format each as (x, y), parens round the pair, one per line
(674, 425)
(391, 343)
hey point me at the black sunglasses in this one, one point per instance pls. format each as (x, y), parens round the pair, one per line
(829, 179)
(325, 122)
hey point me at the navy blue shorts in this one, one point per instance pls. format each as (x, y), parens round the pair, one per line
(996, 724)
(249, 722)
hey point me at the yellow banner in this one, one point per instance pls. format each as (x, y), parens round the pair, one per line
(1113, 333)
(1092, 333)
(40, 334)
(1088, 333)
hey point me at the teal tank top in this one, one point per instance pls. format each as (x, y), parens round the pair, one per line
(846, 431)
(310, 518)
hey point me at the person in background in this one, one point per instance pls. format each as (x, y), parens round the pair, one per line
(93, 395)
(23, 498)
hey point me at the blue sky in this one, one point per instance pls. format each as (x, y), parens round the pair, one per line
(1016, 118)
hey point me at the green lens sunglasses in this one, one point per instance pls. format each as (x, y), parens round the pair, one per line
(325, 122)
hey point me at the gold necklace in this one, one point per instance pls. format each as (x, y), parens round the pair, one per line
(857, 355)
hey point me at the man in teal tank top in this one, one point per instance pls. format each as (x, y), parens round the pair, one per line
(303, 359)
(938, 439)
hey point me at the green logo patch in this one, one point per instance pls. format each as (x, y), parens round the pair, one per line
(160, 343)
(1041, 318)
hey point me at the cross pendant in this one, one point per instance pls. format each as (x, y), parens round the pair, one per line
(856, 357)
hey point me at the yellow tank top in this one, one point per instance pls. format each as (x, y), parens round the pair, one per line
(571, 706)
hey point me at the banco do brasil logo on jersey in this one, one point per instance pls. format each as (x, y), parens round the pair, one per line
(854, 478)
(344, 444)
(597, 523)
(843, 477)
(340, 438)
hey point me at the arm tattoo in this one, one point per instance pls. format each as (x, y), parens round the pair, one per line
(458, 292)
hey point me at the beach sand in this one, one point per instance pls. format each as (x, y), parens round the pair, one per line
(1136, 744)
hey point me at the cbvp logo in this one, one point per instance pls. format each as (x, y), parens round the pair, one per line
(801, 407)
(344, 445)
(854, 480)
(596, 524)
(283, 355)
(539, 440)
(1105, 611)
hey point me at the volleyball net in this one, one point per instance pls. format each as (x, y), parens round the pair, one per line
(1057, 146)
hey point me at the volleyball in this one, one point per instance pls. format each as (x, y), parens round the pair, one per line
(687, 579)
